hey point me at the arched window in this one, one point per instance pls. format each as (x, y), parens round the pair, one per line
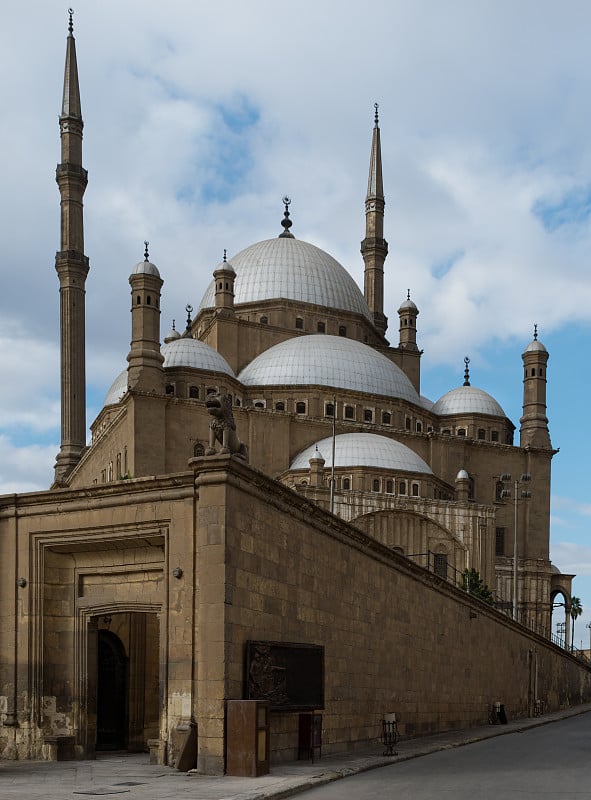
(402, 487)
(419, 427)
(386, 418)
(461, 431)
(149, 300)
(321, 327)
(138, 300)
(494, 436)
(375, 486)
(368, 415)
(280, 406)
(342, 330)
(346, 484)
(194, 392)
(481, 433)
(300, 407)
(198, 450)
(349, 412)
(407, 423)
(328, 410)
(415, 490)
(499, 488)
(259, 404)
(169, 389)
(299, 323)
(389, 487)
(238, 402)
(264, 320)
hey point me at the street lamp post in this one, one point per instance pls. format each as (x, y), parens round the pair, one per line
(525, 478)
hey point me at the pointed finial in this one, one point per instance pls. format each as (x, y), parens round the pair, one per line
(173, 325)
(286, 222)
(71, 23)
(466, 372)
(408, 294)
(376, 118)
(146, 254)
(535, 332)
(224, 255)
(188, 309)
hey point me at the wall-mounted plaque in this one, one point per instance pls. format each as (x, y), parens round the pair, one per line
(287, 675)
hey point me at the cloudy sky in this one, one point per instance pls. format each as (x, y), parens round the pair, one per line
(200, 116)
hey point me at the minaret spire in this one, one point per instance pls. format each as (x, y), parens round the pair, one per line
(374, 248)
(72, 268)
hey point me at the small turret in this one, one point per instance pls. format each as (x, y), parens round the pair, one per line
(224, 277)
(408, 313)
(534, 422)
(317, 469)
(145, 371)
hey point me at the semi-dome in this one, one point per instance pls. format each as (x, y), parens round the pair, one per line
(183, 352)
(331, 361)
(291, 269)
(187, 352)
(364, 450)
(467, 400)
(117, 389)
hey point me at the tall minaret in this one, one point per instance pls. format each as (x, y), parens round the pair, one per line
(534, 422)
(72, 268)
(374, 248)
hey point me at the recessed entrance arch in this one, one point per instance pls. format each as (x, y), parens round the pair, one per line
(112, 697)
(124, 681)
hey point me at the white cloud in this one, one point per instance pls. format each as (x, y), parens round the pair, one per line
(25, 469)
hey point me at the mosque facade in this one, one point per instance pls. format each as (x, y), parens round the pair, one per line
(324, 410)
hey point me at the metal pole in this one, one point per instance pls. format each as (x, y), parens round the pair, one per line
(334, 436)
(515, 556)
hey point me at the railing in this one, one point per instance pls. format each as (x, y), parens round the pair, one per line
(438, 565)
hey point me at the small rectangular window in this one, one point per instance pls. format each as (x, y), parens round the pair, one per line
(500, 542)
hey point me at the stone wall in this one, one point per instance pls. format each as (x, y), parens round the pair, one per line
(396, 638)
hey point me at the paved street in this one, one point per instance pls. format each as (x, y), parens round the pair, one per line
(524, 759)
(550, 761)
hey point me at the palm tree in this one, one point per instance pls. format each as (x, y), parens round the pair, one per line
(576, 609)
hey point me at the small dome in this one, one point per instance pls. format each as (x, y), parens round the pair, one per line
(186, 352)
(535, 346)
(317, 455)
(117, 389)
(226, 266)
(145, 268)
(554, 569)
(467, 400)
(408, 305)
(365, 450)
(291, 269)
(333, 361)
(172, 335)
(462, 476)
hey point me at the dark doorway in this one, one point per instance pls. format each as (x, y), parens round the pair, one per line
(111, 723)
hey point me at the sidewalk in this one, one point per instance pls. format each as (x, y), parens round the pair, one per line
(133, 776)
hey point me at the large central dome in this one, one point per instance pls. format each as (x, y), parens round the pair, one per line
(290, 269)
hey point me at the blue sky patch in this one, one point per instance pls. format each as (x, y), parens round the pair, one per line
(443, 265)
(572, 209)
